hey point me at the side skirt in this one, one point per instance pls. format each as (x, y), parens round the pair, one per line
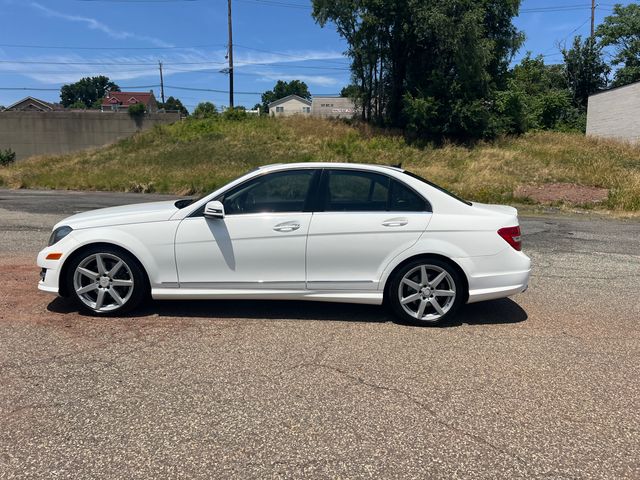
(369, 298)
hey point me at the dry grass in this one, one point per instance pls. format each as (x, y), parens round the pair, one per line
(197, 156)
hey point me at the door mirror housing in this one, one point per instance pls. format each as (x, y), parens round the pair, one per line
(214, 210)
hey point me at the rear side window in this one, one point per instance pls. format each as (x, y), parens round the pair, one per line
(349, 191)
(357, 191)
(403, 199)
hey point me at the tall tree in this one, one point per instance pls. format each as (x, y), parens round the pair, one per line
(174, 104)
(283, 89)
(88, 91)
(585, 68)
(622, 31)
(433, 66)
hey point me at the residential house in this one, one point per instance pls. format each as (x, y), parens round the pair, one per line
(117, 101)
(290, 105)
(31, 104)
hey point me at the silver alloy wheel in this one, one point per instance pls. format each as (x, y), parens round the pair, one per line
(103, 282)
(427, 292)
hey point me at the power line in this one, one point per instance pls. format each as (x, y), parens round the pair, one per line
(69, 47)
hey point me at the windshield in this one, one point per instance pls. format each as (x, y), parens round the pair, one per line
(437, 187)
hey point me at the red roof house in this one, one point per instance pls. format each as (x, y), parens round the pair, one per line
(115, 101)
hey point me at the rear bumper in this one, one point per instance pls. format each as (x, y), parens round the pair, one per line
(496, 276)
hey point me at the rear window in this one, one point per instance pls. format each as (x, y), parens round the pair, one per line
(437, 187)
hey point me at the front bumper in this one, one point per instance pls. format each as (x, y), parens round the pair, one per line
(49, 271)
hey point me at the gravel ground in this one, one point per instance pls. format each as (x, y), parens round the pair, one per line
(544, 385)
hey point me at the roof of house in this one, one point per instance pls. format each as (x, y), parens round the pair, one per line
(290, 97)
(127, 98)
(40, 103)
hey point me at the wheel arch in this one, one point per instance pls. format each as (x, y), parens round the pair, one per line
(425, 256)
(64, 270)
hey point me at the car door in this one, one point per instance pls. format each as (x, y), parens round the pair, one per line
(259, 244)
(364, 219)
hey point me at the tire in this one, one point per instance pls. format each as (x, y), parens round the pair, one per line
(106, 281)
(426, 303)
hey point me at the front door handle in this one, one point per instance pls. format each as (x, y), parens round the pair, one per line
(395, 222)
(287, 227)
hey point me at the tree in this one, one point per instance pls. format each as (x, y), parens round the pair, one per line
(173, 104)
(205, 110)
(432, 66)
(78, 105)
(283, 89)
(89, 91)
(622, 31)
(350, 91)
(537, 96)
(585, 69)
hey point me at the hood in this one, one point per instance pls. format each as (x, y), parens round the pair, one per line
(500, 209)
(126, 214)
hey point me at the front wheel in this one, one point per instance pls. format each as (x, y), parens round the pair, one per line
(426, 292)
(105, 281)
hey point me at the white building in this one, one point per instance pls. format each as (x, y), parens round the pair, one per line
(615, 113)
(320, 106)
(290, 105)
(332, 106)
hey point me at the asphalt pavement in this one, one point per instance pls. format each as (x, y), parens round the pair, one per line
(543, 385)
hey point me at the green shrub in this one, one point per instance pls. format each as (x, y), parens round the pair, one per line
(137, 110)
(205, 110)
(234, 114)
(7, 157)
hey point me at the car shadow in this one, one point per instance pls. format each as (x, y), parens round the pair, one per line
(494, 312)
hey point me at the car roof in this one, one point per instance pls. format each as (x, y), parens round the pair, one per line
(365, 166)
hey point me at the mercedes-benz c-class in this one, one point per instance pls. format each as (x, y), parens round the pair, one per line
(332, 232)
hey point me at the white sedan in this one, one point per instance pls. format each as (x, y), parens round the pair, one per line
(311, 231)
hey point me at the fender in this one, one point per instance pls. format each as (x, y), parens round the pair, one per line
(155, 252)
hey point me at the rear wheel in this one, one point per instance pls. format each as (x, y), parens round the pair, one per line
(106, 281)
(427, 291)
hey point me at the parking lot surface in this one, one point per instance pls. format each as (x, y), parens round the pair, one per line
(543, 385)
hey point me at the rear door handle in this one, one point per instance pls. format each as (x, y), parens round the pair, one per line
(287, 227)
(395, 222)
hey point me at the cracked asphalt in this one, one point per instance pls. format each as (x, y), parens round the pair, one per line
(543, 385)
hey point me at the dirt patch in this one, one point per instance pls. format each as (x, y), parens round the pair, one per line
(562, 192)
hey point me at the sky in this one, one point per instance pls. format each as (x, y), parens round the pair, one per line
(47, 43)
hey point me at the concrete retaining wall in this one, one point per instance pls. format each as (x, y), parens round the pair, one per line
(38, 133)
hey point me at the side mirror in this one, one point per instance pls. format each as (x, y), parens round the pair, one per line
(214, 210)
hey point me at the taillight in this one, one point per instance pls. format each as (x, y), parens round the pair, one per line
(512, 236)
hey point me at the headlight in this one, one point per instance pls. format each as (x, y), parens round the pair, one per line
(58, 234)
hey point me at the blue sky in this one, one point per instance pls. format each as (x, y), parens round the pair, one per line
(274, 39)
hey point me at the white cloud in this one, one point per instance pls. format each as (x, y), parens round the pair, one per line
(94, 24)
(267, 66)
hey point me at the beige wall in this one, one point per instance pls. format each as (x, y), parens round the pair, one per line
(615, 114)
(37, 133)
(332, 107)
(291, 107)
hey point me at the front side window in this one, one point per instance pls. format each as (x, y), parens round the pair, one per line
(274, 192)
(356, 191)
(280, 109)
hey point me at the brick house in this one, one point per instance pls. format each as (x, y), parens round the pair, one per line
(115, 101)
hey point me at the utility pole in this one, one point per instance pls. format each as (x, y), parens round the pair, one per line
(161, 84)
(230, 54)
(593, 18)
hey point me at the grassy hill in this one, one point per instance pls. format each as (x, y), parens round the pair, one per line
(197, 156)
